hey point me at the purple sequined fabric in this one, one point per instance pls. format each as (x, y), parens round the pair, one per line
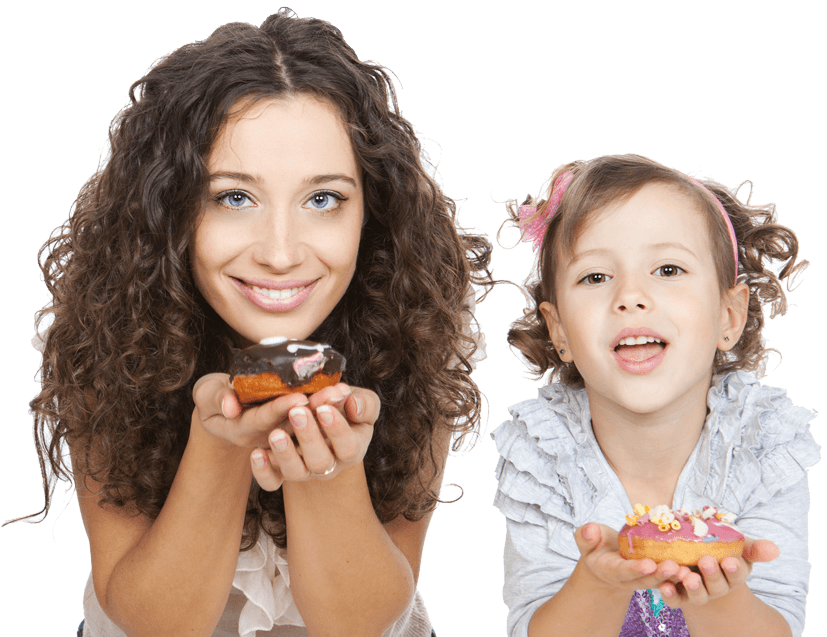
(649, 616)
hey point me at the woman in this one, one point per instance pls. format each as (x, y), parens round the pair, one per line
(260, 183)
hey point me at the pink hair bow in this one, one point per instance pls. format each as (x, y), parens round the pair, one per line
(533, 226)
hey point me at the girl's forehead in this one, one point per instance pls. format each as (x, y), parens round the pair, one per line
(654, 215)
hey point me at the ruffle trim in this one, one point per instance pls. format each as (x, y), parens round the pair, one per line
(549, 467)
(755, 443)
(262, 575)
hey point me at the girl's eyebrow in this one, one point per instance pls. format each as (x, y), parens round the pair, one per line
(311, 181)
(667, 245)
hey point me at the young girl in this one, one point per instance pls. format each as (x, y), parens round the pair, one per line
(261, 182)
(648, 302)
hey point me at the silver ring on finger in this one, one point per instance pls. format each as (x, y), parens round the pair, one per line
(328, 471)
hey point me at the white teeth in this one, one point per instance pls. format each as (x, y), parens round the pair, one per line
(638, 340)
(276, 294)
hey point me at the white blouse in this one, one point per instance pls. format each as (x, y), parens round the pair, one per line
(260, 603)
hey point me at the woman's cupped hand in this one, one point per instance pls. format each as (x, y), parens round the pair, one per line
(293, 437)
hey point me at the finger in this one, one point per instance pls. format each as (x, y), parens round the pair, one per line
(231, 406)
(268, 476)
(334, 395)
(588, 537)
(209, 392)
(667, 569)
(715, 582)
(347, 444)
(695, 590)
(760, 550)
(286, 456)
(318, 458)
(362, 406)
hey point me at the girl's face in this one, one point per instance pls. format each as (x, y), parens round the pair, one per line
(276, 243)
(642, 270)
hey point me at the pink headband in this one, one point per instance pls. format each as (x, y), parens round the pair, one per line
(533, 226)
(728, 222)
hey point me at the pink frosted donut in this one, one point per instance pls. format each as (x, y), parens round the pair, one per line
(683, 536)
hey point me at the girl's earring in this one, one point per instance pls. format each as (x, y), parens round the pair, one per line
(726, 338)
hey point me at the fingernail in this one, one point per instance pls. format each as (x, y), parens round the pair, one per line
(279, 439)
(325, 414)
(298, 418)
(360, 405)
(259, 458)
(346, 391)
(336, 396)
(224, 411)
(588, 533)
(730, 568)
(667, 593)
(693, 585)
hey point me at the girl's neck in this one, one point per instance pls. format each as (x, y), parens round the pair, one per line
(648, 451)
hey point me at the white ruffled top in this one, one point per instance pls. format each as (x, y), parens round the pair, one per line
(260, 602)
(553, 478)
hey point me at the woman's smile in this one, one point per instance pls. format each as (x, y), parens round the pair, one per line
(277, 296)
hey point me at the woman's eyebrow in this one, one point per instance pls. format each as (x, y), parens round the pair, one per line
(323, 179)
(245, 177)
(311, 181)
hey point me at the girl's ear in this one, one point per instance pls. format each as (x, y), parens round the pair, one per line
(556, 331)
(733, 316)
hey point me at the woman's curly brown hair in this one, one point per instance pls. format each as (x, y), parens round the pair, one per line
(131, 333)
(615, 178)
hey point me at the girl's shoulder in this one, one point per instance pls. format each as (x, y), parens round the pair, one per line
(756, 443)
(549, 466)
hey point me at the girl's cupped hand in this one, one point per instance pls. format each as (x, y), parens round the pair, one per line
(600, 555)
(715, 580)
(679, 585)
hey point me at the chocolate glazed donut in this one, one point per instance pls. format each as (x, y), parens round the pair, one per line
(279, 366)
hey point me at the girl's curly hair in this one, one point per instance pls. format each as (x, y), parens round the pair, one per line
(616, 178)
(131, 333)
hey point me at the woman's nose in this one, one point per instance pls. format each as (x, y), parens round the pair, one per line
(278, 241)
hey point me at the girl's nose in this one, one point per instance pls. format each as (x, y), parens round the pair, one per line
(632, 296)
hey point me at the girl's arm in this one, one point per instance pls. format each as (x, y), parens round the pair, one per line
(173, 576)
(349, 574)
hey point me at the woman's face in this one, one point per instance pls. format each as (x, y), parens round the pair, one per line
(276, 243)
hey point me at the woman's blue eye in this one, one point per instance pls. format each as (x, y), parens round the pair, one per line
(324, 200)
(235, 199)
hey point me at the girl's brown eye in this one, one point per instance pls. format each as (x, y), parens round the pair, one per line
(670, 270)
(595, 278)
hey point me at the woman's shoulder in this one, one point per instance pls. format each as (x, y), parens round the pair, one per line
(548, 464)
(757, 442)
